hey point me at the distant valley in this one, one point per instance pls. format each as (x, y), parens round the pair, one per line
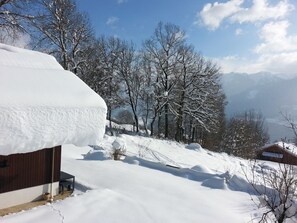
(264, 92)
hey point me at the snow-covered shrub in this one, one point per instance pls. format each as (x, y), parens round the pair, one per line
(118, 149)
(276, 189)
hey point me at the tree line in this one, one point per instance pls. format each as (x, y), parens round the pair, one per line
(170, 89)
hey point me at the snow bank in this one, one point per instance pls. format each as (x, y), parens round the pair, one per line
(42, 105)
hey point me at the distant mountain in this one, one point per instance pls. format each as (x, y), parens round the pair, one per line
(264, 92)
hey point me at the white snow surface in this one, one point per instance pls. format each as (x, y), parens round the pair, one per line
(42, 105)
(208, 187)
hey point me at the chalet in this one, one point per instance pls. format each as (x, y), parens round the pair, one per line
(279, 152)
(42, 107)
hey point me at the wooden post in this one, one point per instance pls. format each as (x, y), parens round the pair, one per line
(53, 173)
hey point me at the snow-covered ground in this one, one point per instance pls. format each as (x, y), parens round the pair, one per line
(207, 186)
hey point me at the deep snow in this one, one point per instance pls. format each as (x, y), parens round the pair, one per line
(208, 186)
(42, 105)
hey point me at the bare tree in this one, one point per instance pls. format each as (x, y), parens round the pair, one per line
(13, 17)
(147, 95)
(188, 72)
(163, 49)
(290, 123)
(129, 73)
(63, 31)
(196, 91)
(151, 93)
(276, 190)
(105, 79)
(203, 95)
(186, 88)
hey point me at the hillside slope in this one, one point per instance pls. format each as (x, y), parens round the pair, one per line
(207, 186)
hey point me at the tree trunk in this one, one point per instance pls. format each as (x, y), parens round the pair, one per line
(179, 124)
(166, 108)
(65, 61)
(159, 124)
(136, 122)
(152, 126)
(178, 134)
(145, 125)
(109, 118)
(193, 134)
(180, 118)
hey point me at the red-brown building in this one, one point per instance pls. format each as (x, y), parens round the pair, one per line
(278, 152)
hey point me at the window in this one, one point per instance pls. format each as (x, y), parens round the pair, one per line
(273, 155)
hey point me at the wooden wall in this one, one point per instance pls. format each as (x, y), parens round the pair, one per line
(18, 171)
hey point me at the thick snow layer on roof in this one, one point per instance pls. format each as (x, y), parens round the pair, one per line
(288, 146)
(42, 105)
(283, 145)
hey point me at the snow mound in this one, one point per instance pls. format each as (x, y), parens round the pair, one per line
(215, 183)
(96, 155)
(201, 168)
(240, 184)
(194, 146)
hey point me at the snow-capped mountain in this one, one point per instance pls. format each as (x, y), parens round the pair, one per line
(265, 92)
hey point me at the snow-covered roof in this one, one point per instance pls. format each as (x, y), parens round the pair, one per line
(42, 105)
(282, 145)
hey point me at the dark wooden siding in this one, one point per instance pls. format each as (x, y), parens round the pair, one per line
(288, 157)
(18, 171)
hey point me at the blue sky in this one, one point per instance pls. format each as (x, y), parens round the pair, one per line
(240, 35)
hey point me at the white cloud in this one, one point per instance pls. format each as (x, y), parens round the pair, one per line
(279, 63)
(232, 63)
(276, 54)
(261, 11)
(276, 51)
(213, 14)
(111, 21)
(285, 63)
(276, 39)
